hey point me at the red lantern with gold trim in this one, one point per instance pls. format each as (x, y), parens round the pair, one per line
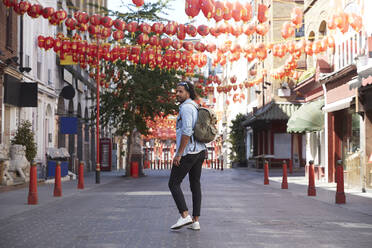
(154, 41)
(188, 46)
(211, 47)
(203, 30)
(107, 22)
(191, 30)
(170, 29)
(192, 8)
(61, 15)
(82, 17)
(47, 12)
(95, 19)
(70, 23)
(356, 22)
(262, 13)
(219, 10)
(233, 79)
(143, 39)
(118, 35)
(157, 28)
(138, 3)
(249, 29)
(262, 29)
(10, 3)
(181, 35)
(132, 27)
(214, 31)
(176, 44)
(119, 24)
(246, 12)
(35, 10)
(227, 14)
(200, 47)
(297, 16)
(288, 30)
(165, 43)
(40, 41)
(22, 7)
(207, 7)
(93, 30)
(237, 11)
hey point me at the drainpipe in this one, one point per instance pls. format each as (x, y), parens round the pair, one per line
(325, 134)
(20, 57)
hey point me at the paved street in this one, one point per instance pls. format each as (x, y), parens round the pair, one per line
(237, 211)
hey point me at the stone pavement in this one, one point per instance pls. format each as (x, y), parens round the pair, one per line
(237, 211)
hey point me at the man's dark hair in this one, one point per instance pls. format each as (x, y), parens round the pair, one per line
(189, 87)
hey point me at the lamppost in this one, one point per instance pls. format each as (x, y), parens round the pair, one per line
(98, 167)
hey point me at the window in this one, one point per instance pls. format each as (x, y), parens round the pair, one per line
(9, 28)
(50, 77)
(27, 60)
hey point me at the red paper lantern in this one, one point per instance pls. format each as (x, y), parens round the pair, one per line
(157, 28)
(237, 11)
(246, 13)
(214, 31)
(191, 30)
(188, 46)
(170, 29)
(166, 43)
(200, 47)
(22, 7)
(262, 13)
(237, 30)
(143, 39)
(356, 22)
(233, 79)
(61, 15)
(35, 10)
(208, 8)
(138, 3)
(40, 41)
(192, 8)
(107, 22)
(288, 30)
(118, 35)
(47, 12)
(227, 14)
(93, 30)
(57, 46)
(95, 19)
(203, 30)
(154, 41)
(70, 23)
(82, 17)
(181, 35)
(211, 47)
(219, 10)
(10, 3)
(123, 53)
(296, 16)
(106, 32)
(262, 29)
(176, 44)
(342, 22)
(119, 25)
(332, 22)
(249, 29)
(132, 27)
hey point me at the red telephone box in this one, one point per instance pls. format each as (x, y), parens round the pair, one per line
(105, 150)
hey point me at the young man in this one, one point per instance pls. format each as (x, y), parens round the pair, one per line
(189, 158)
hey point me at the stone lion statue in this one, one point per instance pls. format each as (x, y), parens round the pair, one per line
(6, 178)
(18, 161)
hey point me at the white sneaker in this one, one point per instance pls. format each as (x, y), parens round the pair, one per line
(182, 222)
(195, 226)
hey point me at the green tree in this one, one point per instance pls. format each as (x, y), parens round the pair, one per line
(25, 136)
(237, 138)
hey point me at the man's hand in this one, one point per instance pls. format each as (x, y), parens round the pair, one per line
(176, 160)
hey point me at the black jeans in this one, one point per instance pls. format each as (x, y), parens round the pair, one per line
(192, 164)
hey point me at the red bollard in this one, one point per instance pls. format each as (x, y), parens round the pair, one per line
(134, 169)
(340, 194)
(311, 191)
(32, 193)
(284, 180)
(81, 176)
(57, 180)
(266, 173)
(290, 166)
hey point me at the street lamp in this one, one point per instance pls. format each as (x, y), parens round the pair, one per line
(98, 168)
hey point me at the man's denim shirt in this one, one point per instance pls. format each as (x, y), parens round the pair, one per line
(186, 120)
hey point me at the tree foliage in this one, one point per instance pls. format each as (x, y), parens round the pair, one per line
(25, 136)
(140, 93)
(237, 139)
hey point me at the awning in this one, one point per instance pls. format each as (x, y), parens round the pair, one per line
(273, 111)
(338, 105)
(308, 118)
